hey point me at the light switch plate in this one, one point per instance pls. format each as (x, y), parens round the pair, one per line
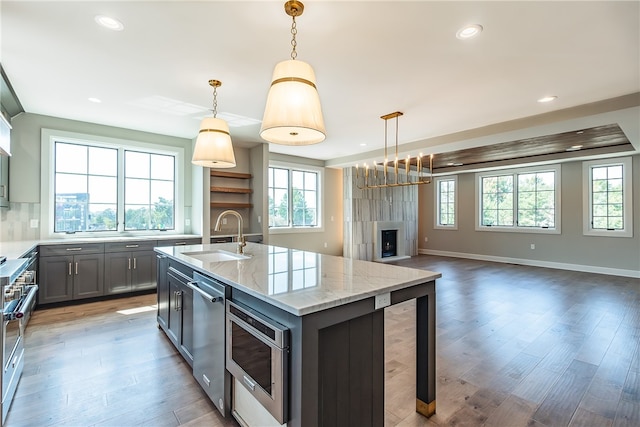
(383, 300)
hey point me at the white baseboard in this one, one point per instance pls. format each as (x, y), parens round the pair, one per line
(536, 263)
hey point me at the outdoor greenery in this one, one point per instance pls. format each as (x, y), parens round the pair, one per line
(533, 194)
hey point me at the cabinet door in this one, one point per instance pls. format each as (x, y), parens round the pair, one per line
(55, 279)
(117, 272)
(142, 270)
(4, 181)
(163, 291)
(186, 341)
(88, 279)
(174, 326)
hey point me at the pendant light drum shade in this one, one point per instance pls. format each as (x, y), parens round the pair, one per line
(213, 146)
(293, 114)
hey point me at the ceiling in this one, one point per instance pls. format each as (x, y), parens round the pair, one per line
(370, 58)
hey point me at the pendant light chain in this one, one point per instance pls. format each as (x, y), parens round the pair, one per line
(215, 101)
(294, 43)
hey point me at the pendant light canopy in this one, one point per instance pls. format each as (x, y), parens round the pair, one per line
(213, 146)
(293, 114)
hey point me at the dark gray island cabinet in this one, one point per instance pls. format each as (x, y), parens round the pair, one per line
(332, 309)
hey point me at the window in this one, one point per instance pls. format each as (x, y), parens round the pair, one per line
(294, 197)
(104, 185)
(148, 191)
(86, 188)
(607, 198)
(446, 203)
(520, 200)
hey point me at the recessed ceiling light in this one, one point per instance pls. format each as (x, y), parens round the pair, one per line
(469, 31)
(548, 98)
(454, 164)
(96, 100)
(362, 144)
(574, 148)
(109, 23)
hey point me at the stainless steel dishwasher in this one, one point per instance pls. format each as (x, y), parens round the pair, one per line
(209, 340)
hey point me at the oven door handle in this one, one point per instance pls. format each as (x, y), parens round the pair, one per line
(26, 302)
(194, 286)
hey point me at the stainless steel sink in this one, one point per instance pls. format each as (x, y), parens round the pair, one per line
(217, 255)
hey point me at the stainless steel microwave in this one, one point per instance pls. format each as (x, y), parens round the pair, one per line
(258, 357)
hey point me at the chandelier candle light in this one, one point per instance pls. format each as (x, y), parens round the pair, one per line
(382, 179)
(213, 146)
(293, 114)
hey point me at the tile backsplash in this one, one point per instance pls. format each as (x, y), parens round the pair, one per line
(15, 222)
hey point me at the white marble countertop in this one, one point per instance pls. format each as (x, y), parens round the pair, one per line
(297, 281)
(16, 249)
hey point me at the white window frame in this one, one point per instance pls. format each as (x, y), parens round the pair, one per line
(320, 202)
(556, 168)
(437, 197)
(47, 142)
(587, 167)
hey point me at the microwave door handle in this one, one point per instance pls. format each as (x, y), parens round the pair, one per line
(194, 286)
(249, 383)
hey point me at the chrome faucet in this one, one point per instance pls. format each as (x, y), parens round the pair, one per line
(218, 227)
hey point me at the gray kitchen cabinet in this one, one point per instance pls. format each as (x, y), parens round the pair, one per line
(162, 267)
(179, 242)
(4, 181)
(70, 277)
(175, 305)
(129, 266)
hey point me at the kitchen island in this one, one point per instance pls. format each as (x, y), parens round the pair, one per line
(332, 308)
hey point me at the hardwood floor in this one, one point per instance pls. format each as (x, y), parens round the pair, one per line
(517, 346)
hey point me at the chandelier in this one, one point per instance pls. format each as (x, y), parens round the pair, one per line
(213, 146)
(398, 172)
(293, 114)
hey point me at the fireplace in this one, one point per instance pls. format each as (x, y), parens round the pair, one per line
(389, 241)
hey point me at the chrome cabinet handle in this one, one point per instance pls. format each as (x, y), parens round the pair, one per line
(178, 300)
(4, 190)
(69, 269)
(129, 267)
(76, 268)
(74, 249)
(134, 264)
(132, 246)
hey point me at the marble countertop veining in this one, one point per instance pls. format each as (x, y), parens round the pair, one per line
(300, 282)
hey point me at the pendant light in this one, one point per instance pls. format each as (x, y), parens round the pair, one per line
(293, 114)
(213, 146)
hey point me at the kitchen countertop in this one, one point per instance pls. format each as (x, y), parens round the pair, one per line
(300, 282)
(18, 248)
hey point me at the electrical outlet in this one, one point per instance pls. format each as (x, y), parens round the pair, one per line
(331, 217)
(383, 300)
(325, 244)
(224, 221)
(34, 223)
(426, 239)
(533, 246)
(187, 222)
(259, 219)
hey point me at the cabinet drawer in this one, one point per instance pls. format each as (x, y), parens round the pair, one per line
(142, 245)
(180, 242)
(72, 249)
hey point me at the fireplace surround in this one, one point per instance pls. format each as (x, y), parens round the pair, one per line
(385, 249)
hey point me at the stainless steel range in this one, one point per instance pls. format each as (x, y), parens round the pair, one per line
(19, 289)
